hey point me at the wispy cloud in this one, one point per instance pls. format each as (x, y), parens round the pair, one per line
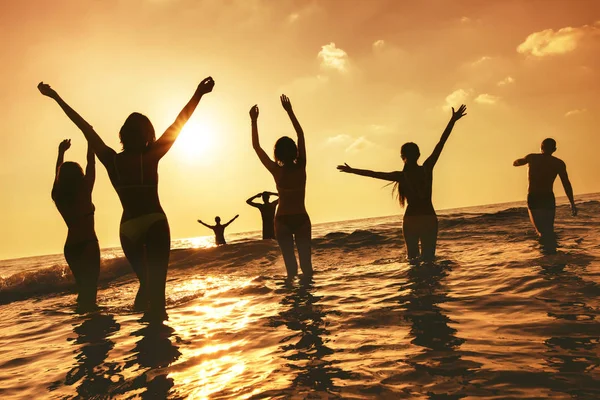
(457, 98)
(551, 42)
(481, 60)
(333, 57)
(575, 112)
(485, 98)
(506, 81)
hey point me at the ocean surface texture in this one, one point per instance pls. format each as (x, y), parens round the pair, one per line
(495, 317)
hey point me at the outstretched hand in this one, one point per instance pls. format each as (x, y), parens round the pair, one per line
(285, 102)
(64, 145)
(46, 90)
(254, 112)
(344, 168)
(456, 115)
(207, 85)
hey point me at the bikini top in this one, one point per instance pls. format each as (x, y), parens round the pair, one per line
(118, 185)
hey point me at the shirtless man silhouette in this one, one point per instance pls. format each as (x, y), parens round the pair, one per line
(219, 229)
(543, 169)
(267, 212)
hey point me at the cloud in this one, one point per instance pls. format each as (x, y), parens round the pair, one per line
(378, 44)
(351, 145)
(333, 57)
(506, 81)
(305, 84)
(340, 139)
(550, 42)
(293, 17)
(485, 98)
(575, 112)
(456, 98)
(465, 20)
(481, 60)
(359, 144)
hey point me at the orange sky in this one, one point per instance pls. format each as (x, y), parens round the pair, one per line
(363, 76)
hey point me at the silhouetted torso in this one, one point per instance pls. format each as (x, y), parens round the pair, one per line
(219, 231)
(78, 214)
(417, 182)
(267, 212)
(135, 178)
(543, 170)
(291, 186)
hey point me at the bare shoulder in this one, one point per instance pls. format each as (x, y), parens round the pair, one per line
(560, 164)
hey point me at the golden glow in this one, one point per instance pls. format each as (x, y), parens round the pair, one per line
(197, 142)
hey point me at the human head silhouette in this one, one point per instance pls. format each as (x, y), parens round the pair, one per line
(548, 146)
(410, 152)
(265, 197)
(68, 181)
(137, 132)
(286, 151)
(218, 220)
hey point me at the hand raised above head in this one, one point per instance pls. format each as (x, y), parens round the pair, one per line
(46, 90)
(285, 102)
(254, 112)
(344, 168)
(456, 115)
(64, 145)
(207, 85)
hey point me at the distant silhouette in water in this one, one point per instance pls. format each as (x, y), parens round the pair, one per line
(219, 229)
(414, 186)
(72, 194)
(144, 231)
(292, 223)
(267, 212)
(543, 169)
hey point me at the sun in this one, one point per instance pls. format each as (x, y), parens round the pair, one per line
(196, 142)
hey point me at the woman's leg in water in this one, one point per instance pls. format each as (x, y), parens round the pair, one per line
(158, 250)
(303, 243)
(134, 252)
(285, 238)
(84, 262)
(429, 232)
(410, 231)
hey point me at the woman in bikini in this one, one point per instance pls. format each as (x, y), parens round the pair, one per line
(292, 223)
(414, 186)
(144, 232)
(72, 194)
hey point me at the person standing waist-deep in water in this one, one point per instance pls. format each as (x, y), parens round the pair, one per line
(543, 169)
(292, 223)
(72, 194)
(144, 231)
(267, 212)
(219, 229)
(414, 185)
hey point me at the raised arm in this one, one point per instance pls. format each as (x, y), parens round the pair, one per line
(90, 168)
(251, 203)
(62, 148)
(456, 115)
(262, 155)
(521, 161)
(564, 178)
(163, 144)
(393, 176)
(231, 220)
(287, 106)
(206, 225)
(92, 137)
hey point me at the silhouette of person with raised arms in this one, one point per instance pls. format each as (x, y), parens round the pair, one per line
(543, 169)
(414, 186)
(267, 212)
(219, 229)
(292, 223)
(144, 232)
(72, 195)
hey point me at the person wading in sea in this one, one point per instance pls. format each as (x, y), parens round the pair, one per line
(267, 212)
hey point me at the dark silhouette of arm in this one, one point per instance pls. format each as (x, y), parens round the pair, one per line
(62, 148)
(287, 106)
(165, 142)
(206, 225)
(231, 220)
(521, 161)
(564, 178)
(253, 204)
(262, 155)
(98, 145)
(90, 168)
(456, 115)
(393, 176)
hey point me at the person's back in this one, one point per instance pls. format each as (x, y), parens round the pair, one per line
(219, 231)
(543, 170)
(417, 183)
(291, 186)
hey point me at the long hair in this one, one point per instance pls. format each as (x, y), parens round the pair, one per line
(137, 132)
(286, 151)
(410, 153)
(69, 182)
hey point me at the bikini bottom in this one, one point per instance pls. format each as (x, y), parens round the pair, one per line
(137, 228)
